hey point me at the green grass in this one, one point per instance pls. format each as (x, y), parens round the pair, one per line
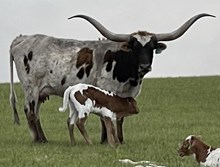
(170, 110)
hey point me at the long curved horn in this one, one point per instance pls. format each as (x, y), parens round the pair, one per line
(106, 33)
(180, 31)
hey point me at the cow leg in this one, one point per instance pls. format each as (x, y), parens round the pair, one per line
(119, 130)
(41, 136)
(32, 106)
(31, 122)
(80, 124)
(108, 125)
(40, 132)
(104, 133)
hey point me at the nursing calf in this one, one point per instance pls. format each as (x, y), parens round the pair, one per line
(84, 99)
(205, 155)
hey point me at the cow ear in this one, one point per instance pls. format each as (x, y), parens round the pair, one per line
(160, 47)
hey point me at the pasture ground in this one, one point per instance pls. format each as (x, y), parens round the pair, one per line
(170, 110)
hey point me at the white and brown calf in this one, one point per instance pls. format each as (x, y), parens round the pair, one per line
(205, 155)
(84, 99)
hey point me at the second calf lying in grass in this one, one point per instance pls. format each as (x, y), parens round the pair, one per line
(84, 99)
(205, 155)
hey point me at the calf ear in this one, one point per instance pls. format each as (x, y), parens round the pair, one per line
(160, 47)
(192, 141)
(129, 99)
(199, 136)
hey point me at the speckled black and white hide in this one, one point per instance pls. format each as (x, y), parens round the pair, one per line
(47, 66)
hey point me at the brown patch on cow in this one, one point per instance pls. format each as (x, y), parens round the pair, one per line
(30, 55)
(80, 74)
(63, 80)
(85, 57)
(80, 98)
(109, 57)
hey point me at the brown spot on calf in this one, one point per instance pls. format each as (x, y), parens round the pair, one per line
(80, 98)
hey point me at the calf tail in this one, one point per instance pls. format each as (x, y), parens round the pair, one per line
(65, 99)
(13, 98)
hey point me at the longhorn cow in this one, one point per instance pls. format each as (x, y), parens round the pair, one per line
(47, 66)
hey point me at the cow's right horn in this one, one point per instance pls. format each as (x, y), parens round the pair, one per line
(180, 31)
(106, 33)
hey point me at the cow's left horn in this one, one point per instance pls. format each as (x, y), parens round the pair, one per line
(106, 33)
(180, 31)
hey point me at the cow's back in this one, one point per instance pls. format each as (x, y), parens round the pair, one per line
(53, 64)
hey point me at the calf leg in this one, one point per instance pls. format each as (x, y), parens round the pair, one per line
(108, 125)
(71, 132)
(104, 133)
(119, 129)
(114, 133)
(80, 124)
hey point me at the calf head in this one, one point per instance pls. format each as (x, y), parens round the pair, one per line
(189, 146)
(130, 108)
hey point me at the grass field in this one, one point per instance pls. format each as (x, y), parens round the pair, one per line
(170, 110)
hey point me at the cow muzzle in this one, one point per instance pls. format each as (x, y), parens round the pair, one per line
(144, 69)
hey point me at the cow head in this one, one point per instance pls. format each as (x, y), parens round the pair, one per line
(140, 46)
(143, 44)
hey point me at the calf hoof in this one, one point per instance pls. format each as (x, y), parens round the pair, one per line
(72, 143)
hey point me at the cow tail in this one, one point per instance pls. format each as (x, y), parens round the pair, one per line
(13, 98)
(66, 98)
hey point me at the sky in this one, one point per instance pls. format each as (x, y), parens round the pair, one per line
(196, 53)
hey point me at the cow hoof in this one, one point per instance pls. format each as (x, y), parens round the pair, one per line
(40, 141)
